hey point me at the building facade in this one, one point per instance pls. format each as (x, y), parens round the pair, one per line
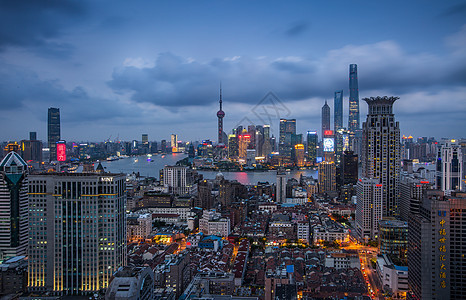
(449, 167)
(381, 150)
(369, 193)
(353, 119)
(13, 206)
(77, 231)
(436, 247)
(53, 131)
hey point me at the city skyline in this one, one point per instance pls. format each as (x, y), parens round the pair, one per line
(125, 69)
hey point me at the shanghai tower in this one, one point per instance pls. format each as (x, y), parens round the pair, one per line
(353, 119)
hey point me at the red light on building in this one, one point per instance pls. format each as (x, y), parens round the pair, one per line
(424, 182)
(379, 185)
(328, 132)
(61, 151)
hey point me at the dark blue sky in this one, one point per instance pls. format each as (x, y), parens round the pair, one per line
(123, 68)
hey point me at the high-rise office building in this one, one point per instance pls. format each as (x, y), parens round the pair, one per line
(287, 131)
(299, 154)
(174, 142)
(33, 136)
(325, 118)
(349, 168)
(411, 193)
(449, 166)
(31, 150)
(281, 187)
(13, 206)
(180, 180)
(381, 150)
(220, 116)
(327, 177)
(233, 146)
(353, 119)
(393, 240)
(53, 131)
(312, 141)
(369, 193)
(77, 231)
(338, 110)
(145, 138)
(436, 247)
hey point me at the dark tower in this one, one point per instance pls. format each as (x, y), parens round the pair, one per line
(338, 110)
(353, 119)
(220, 115)
(325, 118)
(53, 131)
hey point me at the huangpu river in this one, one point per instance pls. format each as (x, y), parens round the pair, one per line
(151, 166)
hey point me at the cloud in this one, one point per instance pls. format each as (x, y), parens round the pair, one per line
(30, 23)
(174, 81)
(296, 29)
(458, 9)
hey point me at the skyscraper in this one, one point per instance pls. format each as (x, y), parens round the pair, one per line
(174, 142)
(312, 146)
(381, 150)
(327, 177)
(77, 231)
(53, 131)
(325, 118)
(338, 110)
(287, 131)
(436, 247)
(281, 187)
(13, 206)
(369, 205)
(353, 119)
(449, 166)
(220, 116)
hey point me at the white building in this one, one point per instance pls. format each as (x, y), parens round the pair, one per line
(77, 231)
(303, 231)
(321, 234)
(14, 206)
(139, 226)
(449, 167)
(393, 278)
(212, 223)
(341, 260)
(368, 207)
(179, 180)
(183, 212)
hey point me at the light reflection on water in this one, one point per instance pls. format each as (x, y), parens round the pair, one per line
(153, 166)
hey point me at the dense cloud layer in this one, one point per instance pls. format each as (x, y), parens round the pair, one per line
(123, 69)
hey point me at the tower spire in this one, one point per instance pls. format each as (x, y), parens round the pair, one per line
(220, 95)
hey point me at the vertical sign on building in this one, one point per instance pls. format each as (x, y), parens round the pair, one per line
(61, 150)
(442, 233)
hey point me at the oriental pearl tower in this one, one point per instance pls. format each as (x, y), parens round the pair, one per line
(220, 115)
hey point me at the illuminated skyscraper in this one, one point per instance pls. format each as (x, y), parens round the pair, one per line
(312, 146)
(174, 142)
(353, 119)
(338, 110)
(53, 131)
(381, 150)
(327, 177)
(325, 118)
(287, 131)
(77, 231)
(299, 155)
(13, 206)
(220, 116)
